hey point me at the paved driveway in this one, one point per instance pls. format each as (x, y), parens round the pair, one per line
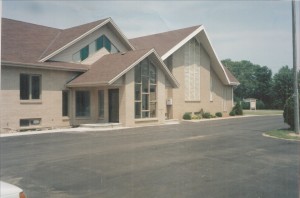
(226, 158)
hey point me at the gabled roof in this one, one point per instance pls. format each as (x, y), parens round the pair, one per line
(163, 42)
(25, 44)
(167, 43)
(66, 36)
(111, 67)
(69, 36)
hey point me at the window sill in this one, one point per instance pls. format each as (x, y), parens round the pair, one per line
(31, 101)
(146, 119)
(83, 118)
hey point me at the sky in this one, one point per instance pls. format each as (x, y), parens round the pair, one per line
(258, 31)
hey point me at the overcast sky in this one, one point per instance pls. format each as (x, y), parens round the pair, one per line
(259, 31)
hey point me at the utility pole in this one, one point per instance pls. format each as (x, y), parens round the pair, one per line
(296, 94)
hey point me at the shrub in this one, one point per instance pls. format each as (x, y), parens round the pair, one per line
(288, 112)
(195, 117)
(232, 113)
(236, 110)
(206, 115)
(219, 114)
(187, 116)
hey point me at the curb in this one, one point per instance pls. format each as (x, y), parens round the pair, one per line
(269, 136)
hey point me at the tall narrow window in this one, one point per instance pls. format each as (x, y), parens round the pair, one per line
(107, 44)
(30, 87)
(192, 70)
(101, 103)
(145, 90)
(99, 43)
(35, 87)
(84, 53)
(24, 87)
(82, 103)
(65, 103)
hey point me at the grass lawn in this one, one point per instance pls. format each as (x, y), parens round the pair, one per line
(284, 134)
(263, 112)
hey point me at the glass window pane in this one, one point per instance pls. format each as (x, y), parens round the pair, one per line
(99, 43)
(152, 92)
(24, 122)
(65, 103)
(152, 109)
(145, 102)
(24, 87)
(137, 92)
(145, 84)
(101, 103)
(145, 68)
(145, 114)
(84, 52)
(107, 44)
(152, 71)
(137, 110)
(137, 74)
(82, 103)
(35, 87)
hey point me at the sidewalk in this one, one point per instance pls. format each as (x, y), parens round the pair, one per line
(85, 129)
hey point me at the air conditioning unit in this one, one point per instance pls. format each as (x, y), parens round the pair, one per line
(170, 101)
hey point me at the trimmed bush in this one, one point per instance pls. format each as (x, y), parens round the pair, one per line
(206, 115)
(187, 116)
(195, 117)
(288, 112)
(232, 113)
(236, 110)
(219, 114)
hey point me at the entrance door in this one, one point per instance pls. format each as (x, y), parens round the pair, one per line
(113, 97)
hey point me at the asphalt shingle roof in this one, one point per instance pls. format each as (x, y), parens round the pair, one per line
(162, 42)
(108, 67)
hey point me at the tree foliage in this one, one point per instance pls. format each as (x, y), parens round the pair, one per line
(288, 112)
(282, 87)
(257, 82)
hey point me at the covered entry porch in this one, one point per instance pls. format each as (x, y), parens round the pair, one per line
(95, 105)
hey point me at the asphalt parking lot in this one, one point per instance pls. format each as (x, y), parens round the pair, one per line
(224, 158)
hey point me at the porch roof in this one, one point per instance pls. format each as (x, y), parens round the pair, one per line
(111, 67)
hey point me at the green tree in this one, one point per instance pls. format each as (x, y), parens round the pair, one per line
(255, 80)
(282, 87)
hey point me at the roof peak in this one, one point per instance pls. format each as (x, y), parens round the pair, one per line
(170, 31)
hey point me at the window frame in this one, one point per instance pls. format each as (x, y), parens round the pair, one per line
(83, 114)
(192, 71)
(65, 107)
(144, 102)
(101, 104)
(30, 87)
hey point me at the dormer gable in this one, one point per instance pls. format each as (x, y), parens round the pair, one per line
(87, 43)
